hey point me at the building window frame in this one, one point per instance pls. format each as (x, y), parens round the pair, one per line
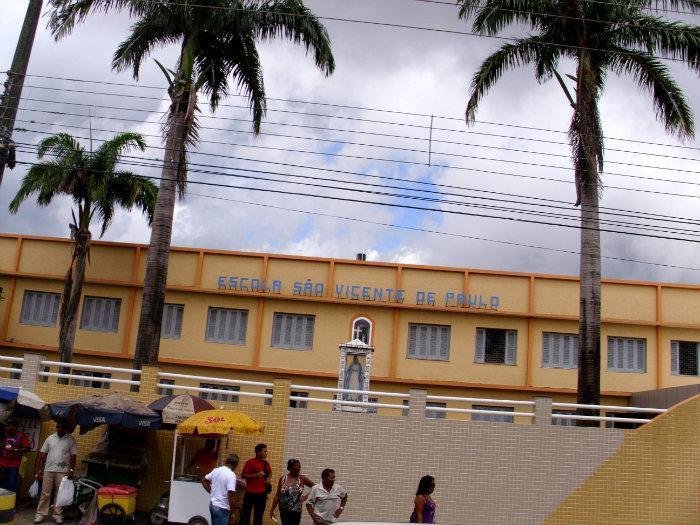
(100, 314)
(679, 364)
(295, 403)
(430, 414)
(486, 353)
(171, 327)
(165, 391)
(559, 350)
(292, 331)
(496, 418)
(227, 395)
(420, 340)
(627, 354)
(558, 422)
(40, 308)
(92, 379)
(219, 330)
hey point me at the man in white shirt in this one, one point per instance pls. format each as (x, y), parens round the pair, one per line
(326, 500)
(221, 484)
(56, 461)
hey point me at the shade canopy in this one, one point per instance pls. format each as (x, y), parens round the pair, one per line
(109, 409)
(220, 423)
(22, 403)
(176, 409)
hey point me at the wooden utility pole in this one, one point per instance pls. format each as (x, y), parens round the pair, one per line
(15, 77)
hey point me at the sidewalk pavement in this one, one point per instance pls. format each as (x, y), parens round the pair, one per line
(25, 516)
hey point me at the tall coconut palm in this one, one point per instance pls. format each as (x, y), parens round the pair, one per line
(96, 186)
(217, 39)
(600, 37)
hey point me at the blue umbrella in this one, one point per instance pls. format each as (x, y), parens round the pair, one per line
(22, 402)
(109, 409)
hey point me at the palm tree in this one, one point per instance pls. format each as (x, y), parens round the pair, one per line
(217, 38)
(96, 186)
(617, 36)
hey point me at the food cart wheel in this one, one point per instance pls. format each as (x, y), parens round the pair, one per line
(112, 514)
(198, 520)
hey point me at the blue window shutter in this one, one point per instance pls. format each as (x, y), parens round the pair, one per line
(546, 343)
(480, 349)
(412, 339)
(445, 343)
(611, 353)
(511, 344)
(674, 357)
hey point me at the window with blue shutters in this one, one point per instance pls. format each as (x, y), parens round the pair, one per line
(100, 314)
(496, 346)
(171, 327)
(497, 418)
(40, 308)
(428, 341)
(626, 354)
(559, 350)
(227, 326)
(293, 331)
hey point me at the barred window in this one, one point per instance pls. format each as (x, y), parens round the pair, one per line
(225, 325)
(498, 418)
(171, 328)
(559, 422)
(268, 400)
(373, 410)
(627, 355)
(90, 383)
(432, 414)
(40, 308)
(16, 375)
(684, 358)
(404, 411)
(293, 331)
(559, 350)
(164, 391)
(215, 396)
(100, 314)
(429, 341)
(296, 403)
(495, 346)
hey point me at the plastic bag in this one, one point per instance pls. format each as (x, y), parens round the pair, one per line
(34, 489)
(90, 513)
(64, 496)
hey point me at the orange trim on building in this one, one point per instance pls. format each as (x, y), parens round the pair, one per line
(659, 351)
(330, 280)
(199, 270)
(530, 338)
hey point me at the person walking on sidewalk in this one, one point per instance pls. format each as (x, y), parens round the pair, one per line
(256, 473)
(423, 505)
(326, 500)
(56, 461)
(290, 494)
(14, 445)
(221, 484)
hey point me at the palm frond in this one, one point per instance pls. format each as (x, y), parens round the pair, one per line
(65, 14)
(44, 179)
(524, 51)
(670, 104)
(678, 5)
(492, 17)
(107, 155)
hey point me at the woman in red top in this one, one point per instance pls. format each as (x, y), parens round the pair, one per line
(14, 444)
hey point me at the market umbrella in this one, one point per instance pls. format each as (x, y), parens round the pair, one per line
(109, 409)
(176, 409)
(220, 422)
(21, 403)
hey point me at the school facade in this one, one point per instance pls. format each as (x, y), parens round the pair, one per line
(452, 331)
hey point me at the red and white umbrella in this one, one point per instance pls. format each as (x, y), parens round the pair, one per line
(176, 409)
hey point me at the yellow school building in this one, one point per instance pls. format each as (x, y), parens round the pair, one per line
(256, 317)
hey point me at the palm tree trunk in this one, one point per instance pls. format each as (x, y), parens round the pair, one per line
(72, 290)
(588, 188)
(148, 337)
(18, 70)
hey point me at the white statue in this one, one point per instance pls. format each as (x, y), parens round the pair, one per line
(354, 379)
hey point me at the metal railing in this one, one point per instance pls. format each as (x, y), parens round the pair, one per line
(337, 400)
(481, 401)
(612, 408)
(96, 379)
(9, 369)
(213, 380)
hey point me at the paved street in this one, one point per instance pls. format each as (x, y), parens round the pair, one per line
(25, 517)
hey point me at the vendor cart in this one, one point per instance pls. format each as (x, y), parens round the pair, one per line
(189, 502)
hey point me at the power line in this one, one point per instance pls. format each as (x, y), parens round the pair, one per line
(341, 106)
(414, 207)
(602, 209)
(409, 150)
(419, 28)
(358, 157)
(362, 132)
(437, 232)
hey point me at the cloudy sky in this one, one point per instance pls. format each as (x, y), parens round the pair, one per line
(391, 81)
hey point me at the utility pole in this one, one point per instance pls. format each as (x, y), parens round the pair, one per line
(14, 83)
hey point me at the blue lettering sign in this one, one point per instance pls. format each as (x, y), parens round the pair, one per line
(449, 296)
(255, 285)
(222, 282)
(244, 283)
(276, 286)
(400, 294)
(365, 293)
(353, 293)
(378, 293)
(319, 290)
(420, 297)
(431, 298)
(494, 302)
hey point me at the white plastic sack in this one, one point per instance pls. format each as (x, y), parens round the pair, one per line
(90, 513)
(34, 489)
(66, 490)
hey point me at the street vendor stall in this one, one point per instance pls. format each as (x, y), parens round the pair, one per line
(189, 502)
